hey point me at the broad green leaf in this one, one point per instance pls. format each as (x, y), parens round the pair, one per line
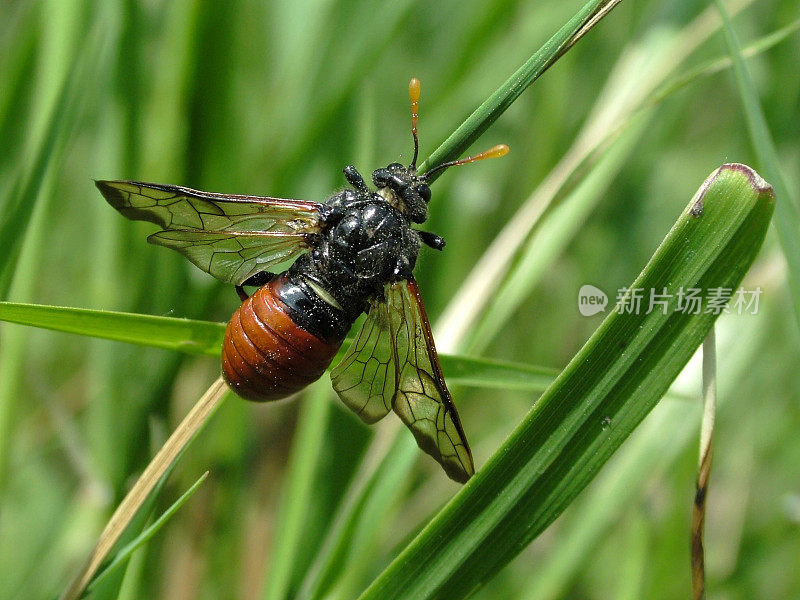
(616, 378)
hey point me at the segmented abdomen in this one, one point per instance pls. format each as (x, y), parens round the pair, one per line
(265, 354)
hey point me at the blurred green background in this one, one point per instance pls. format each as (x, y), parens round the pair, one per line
(275, 98)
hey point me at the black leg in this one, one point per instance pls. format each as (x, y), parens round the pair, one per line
(355, 179)
(257, 280)
(431, 239)
(402, 270)
(260, 279)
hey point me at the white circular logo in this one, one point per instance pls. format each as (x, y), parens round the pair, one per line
(591, 300)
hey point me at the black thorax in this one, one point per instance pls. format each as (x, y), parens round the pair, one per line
(365, 243)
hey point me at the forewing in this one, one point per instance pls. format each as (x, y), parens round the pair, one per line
(232, 237)
(232, 256)
(422, 400)
(365, 379)
(176, 207)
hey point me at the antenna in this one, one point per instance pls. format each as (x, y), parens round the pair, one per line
(413, 94)
(495, 152)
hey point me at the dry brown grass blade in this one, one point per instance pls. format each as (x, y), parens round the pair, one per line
(602, 11)
(704, 466)
(127, 509)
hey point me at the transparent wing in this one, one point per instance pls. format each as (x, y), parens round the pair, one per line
(365, 379)
(231, 237)
(232, 257)
(392, 363)
(422, 400)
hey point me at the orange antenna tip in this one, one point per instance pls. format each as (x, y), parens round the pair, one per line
(497, 151)
(413, 89)
(413, 94)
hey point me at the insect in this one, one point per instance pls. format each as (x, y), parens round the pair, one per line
(353, 253)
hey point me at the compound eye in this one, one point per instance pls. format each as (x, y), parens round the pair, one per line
(381, 177)
(395, 167)
(424, 192)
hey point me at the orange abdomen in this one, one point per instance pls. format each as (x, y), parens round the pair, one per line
(265, 354)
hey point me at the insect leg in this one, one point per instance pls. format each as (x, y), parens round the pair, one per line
(260, 279)
(403, 269)
(355, 179)
(256, 280)
(431, 239)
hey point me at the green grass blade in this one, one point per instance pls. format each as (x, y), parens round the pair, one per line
(710, 67)
(66, 111)
(204, 337)
(183, 335)
(496, 104)
(560, 224)
(129, 514)
(639, 71)
(305, 457)
(650, 453)
(617, 377)
(121, 557)
(604, 504)
(496, 374)
(787, 214)
(338, 566)
(553, 234)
